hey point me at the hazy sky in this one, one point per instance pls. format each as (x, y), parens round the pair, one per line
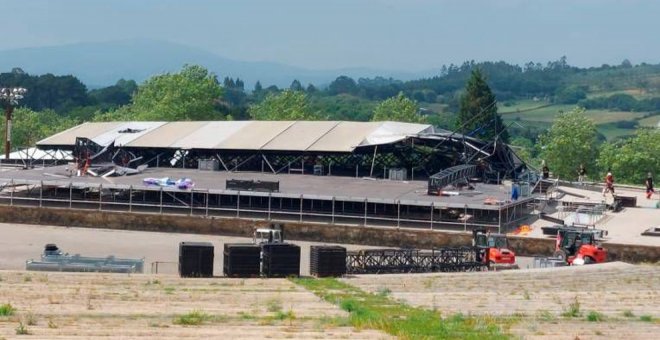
(402, 35)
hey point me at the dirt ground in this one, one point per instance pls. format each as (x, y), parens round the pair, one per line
(621, 293)
(81, 306)
(72, 305)
(20, 242)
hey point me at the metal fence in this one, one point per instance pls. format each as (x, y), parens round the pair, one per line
(259, 205)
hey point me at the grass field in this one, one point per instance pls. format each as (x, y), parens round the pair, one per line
(600, 301)
(541, 114)
(653, 121)
(115, 306)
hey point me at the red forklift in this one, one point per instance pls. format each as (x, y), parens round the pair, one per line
(493, 250)
(578, 246)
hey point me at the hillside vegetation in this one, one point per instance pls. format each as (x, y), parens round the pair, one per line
(619, 99)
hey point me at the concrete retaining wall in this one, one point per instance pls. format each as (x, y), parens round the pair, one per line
(390, 237)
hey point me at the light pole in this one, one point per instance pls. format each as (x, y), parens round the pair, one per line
(10, 97)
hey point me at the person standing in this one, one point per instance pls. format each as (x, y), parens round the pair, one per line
(545, 170)
(609, 183)
(649, 186)
(582, 173)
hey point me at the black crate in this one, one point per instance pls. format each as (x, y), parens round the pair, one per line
(242, 260)
(327, 261)
(626, 201)
(195, 259)
(252, 185)
(280, 260)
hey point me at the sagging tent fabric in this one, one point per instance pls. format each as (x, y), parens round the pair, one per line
(319, 136)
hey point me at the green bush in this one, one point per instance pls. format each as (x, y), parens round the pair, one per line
(193, 318)
(573, 310)
(6, 309)
(646, 318)
(594, 316)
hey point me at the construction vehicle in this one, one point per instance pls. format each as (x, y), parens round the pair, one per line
(578, 246)
(493, 250)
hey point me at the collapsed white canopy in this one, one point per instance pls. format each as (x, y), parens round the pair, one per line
(320, 136)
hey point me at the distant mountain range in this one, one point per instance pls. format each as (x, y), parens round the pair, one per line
(103, 63)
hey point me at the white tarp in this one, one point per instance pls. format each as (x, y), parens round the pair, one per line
(391, 132)
(36, 154)
(326, 136)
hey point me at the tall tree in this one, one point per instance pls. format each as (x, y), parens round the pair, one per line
(296, 86)
(571, 141)
(477, 115)
(342, 84)
(191, 94)
(287, 105)
(399, 109)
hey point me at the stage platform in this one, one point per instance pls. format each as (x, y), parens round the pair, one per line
(376, 199)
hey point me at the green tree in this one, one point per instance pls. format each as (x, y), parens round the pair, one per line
(570, 94)
(477, 115)
(571, 141)
(287, 105)
(296, 86)
(191, 94)
(28, 127)
(342, 84)
(525, 149)
(631, 159)
(398, 109)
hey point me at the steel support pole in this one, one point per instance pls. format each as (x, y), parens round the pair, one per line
(269, 203)
(9, 109)
(333, 210)
(70, 194)
(192, 201)
(398, 214)
(373, 162)
(238, 204)
(130, 198)
(161, 201)
(465, 219)
(499, 221)
(366, 204)
(206, 212)
(432, 210)
(301, 208)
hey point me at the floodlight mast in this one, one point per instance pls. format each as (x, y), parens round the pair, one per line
(10, 97)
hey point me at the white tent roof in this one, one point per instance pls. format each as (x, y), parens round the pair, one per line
(36, 154)
(329, 136)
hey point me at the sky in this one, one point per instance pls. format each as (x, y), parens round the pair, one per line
(407, 35)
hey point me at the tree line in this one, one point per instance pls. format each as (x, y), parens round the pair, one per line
(54, 103)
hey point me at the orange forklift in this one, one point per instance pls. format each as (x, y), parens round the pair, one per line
(578, 246)
(493, 250)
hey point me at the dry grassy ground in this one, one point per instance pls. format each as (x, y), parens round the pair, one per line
(73, 305)
(623, 296)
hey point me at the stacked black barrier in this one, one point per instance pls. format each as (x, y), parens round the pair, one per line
(327, 261)
(241, 260)
(280, 260)
(195, 259)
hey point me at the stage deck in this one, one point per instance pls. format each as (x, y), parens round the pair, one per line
(291, 185)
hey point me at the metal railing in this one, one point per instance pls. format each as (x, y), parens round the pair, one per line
(116, 198)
